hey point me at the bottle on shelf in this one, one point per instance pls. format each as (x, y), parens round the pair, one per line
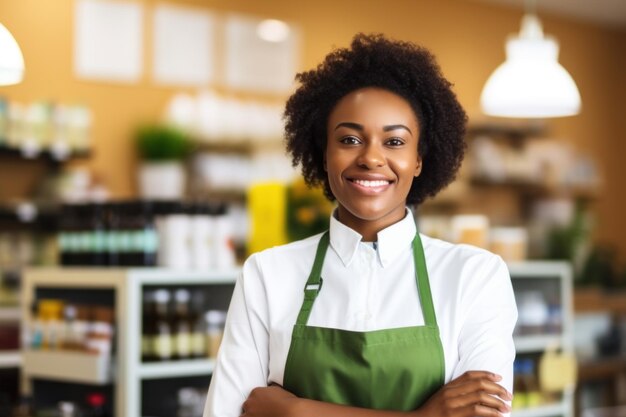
(525, 384)
(215, 320)
(112, 225)
(174, 231)
(70, 337)
(533, 396)
(198, 331)
(64, 235)
(149, 329)
(96, 405)
(162, 342)
(83, 249)
(50, 314)
(126, 232)
(139, 234)
(519, 387)
(97, 228)
(182, 325)
(82, 324)
(150, 240)
(99, 338)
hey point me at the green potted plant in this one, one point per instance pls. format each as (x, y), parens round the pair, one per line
(162, 149)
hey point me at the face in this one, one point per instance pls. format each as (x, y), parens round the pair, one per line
(371, 157)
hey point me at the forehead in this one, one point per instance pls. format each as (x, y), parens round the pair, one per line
(373, 105)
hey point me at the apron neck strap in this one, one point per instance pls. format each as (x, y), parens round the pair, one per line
(423, 283)
(315, 281)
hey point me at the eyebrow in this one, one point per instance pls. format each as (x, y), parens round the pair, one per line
(357, 126)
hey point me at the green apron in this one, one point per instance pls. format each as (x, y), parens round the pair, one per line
(390, 369)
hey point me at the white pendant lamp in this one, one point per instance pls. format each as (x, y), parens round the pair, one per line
(11, 59)
(531, 83)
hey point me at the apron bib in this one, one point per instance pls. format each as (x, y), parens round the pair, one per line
(391, 369)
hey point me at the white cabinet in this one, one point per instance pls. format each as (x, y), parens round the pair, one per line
(124, 370)
(553, 280)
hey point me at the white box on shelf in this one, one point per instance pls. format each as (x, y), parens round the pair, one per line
(68, 366)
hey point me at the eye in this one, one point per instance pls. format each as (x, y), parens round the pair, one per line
(394, 142)
(350, 140)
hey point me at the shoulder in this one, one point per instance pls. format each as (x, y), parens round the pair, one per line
(455, 254)
(287, 251)
(465, 266)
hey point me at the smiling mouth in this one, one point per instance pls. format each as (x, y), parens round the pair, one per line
(371, 183)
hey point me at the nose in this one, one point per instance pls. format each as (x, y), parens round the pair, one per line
(371, 156)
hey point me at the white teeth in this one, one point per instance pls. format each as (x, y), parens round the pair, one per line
(365, 183)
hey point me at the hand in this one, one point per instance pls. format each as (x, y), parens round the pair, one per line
(272, 401)
(473, 394)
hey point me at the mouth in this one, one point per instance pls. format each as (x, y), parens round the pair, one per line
(370, 183)
(370, 186)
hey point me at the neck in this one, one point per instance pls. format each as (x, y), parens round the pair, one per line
(369, 228)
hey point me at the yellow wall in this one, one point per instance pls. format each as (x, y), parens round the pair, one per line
(467, 37)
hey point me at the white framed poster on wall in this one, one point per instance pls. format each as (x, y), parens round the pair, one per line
(261, 55)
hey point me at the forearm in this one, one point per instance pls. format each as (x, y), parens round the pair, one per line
(311, 408)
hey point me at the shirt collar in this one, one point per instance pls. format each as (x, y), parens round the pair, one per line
(391, 241)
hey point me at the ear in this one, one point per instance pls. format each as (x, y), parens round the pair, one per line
(418, 167)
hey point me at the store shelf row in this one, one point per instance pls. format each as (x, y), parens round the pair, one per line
(547, 410)
(537, 343)
(82, 367)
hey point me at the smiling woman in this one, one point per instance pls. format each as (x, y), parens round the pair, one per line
(370, 318)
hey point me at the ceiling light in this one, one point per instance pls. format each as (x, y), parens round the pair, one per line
(272, 30)
(11, 59)
(531, 83)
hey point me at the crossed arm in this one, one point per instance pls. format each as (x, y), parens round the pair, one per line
(473, 394)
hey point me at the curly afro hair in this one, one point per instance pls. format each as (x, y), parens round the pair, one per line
(400, 67)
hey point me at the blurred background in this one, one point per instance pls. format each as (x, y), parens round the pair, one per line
(141, 161)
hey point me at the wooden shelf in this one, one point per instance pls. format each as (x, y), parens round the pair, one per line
(588, 300)
(43, 155)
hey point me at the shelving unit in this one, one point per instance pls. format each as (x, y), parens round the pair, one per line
(555, 279)
(125, 371)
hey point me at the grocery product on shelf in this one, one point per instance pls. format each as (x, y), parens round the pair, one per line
(215, 331)
(175, 327)
(57, 325)
(143, 233)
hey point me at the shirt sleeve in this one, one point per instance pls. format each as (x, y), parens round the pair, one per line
(242, 361)
(489, 317)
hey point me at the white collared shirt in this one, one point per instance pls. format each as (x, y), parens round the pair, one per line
(364, 289)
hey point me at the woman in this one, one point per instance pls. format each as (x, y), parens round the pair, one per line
(370, 318)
